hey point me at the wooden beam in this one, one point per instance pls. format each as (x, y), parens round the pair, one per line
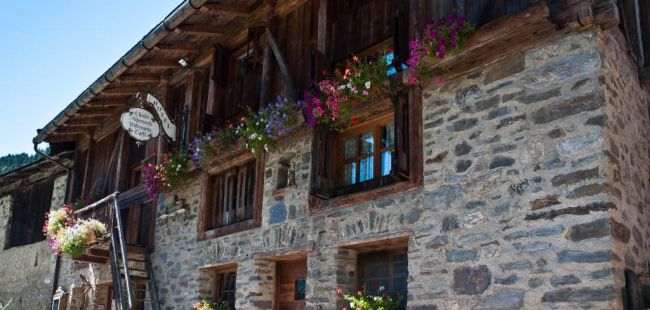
(177, 47)
(71, 131)
(121, 91)
(644, 74)
(139, 78)
(108, 102)
(96, 112)
(227, 9)
(201, 30)
(606, 14)
(158, 63)
(282, 64)
(83, 122)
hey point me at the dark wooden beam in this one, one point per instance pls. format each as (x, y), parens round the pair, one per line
(72, 131)
(139, 78)
(201, 30)
(121, 91)
(644, 74)
(282, 64)
(570, 13)
(178, 47)
(227, 9)
(83, 122)
(606, 14)
(108, 102)
(96, 112)
(158, 63)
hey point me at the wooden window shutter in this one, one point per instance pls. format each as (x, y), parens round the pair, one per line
(323, 181)
(400, 37)
(400, 100)
(220, 75)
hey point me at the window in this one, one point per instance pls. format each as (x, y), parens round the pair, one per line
(238, 76)
(231, 200)
(30, 203)
(382, 149)
(368, 152)
(383, 271)
(233, 195)
(136, 155)
(225, 288)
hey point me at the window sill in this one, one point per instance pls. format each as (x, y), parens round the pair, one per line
(227, 230)
(317, 205)
(284, 190)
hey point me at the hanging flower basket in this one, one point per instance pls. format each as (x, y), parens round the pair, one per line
(67, 235)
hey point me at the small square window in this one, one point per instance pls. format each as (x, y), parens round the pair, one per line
(384, 272)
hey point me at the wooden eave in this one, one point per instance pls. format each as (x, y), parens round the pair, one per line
(215, 22)
(13, 179)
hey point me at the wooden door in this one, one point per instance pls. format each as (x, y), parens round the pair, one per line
(290, 285)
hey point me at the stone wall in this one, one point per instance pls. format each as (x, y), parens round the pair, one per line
(536, 174)
(5, 216)
(626, 127)
(27, 270)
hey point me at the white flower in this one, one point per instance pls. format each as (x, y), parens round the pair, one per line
(381, 288)
(368, 84)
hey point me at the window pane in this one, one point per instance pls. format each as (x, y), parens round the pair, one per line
(386, 162)
(301, 286)
(350, 174)
(350, 148)
(366, 166)
(367, 143)
(388, 135)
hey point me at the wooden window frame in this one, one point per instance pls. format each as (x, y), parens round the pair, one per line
(389, 255)
(373, 125)
(203, 230)
(218, 274)
(409, 179)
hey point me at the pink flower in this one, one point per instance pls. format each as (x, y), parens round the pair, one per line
(439, 79)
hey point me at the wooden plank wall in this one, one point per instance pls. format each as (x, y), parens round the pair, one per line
(100, 160)
(644, 10)
(296, 34)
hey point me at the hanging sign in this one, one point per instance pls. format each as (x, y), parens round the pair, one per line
(140, 124)
(168, 127)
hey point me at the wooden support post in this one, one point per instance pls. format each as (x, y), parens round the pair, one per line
(120, 159)
(282, 64)
(84, 186)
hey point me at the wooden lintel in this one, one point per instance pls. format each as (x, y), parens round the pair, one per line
(140, 78)
(158, 63)
(227, 9)
(109, 102)
(202, 30)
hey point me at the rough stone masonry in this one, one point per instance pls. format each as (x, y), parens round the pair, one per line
(536, 184)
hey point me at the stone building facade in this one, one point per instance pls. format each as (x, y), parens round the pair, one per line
(536, 178)
(535, 165)
(27, 272)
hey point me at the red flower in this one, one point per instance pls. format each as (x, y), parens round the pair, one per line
(359, 293)
(354, 120)
(339, 291)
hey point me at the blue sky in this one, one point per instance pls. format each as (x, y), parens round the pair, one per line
(50, 51)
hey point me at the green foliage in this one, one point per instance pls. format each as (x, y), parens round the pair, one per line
(14, 161)
(206, 304)
(364, 301)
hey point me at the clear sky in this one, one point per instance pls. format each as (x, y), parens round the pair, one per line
(50, 51)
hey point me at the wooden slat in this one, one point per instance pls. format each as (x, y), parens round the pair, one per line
(227, 9)
(107, 102)
(202, 30)
(83, 122)
(121, 91)
(140, 78)
(178, 47)
(158, 63)
(606, 13)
